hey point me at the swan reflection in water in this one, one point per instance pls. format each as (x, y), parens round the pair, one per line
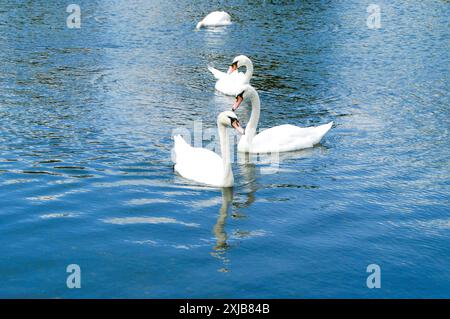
(221, 245)
(272, 163)
(249, 167)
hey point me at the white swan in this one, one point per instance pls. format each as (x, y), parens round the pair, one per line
(282, 138)
(215, 19)
(205, 166)
(230, 83)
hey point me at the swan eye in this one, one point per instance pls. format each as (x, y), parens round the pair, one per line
(233, 119)
(240, 95)
(234, 65)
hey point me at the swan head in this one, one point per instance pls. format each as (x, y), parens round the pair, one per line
(240, 60)
(228, 118)
(247, 92)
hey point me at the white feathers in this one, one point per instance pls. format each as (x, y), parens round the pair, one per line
(215, 19)
(204, 166)
(285, 138)
(231, 83)
(282, 138)
(217, 74)
(197, 164)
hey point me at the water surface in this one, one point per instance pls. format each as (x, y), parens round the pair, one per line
(86, 118)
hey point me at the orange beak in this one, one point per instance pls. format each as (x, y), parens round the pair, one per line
(238, 127)
(236, 104)
(232, 68)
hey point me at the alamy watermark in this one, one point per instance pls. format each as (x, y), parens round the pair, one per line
(374, 19)
(74, 279)
(374, 279)
(73, 21)
(269, 161)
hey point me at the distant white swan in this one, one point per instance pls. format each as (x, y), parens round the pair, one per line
(282, 138)
(205, 166)
(231, 82)
(215, 19)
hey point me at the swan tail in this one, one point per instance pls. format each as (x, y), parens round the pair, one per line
(180, 145)
(217, 74)
(199, 25)
(322, 130)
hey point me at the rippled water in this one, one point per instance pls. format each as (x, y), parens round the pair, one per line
(86, 117)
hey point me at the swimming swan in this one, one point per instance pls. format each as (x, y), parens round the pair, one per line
(282, 138)
(230, 83)
(215, 19)
(205, 166)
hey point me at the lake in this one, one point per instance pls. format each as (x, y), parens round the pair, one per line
(86, 176)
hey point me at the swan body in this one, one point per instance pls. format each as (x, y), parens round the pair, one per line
(190, 163)
(231, 82)
(202, 165)
(215, 19)
(282, 138)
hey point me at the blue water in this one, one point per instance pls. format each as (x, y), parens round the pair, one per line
(86, 177)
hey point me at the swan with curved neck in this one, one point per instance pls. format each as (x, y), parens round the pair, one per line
(205, 166)
(230, 82)
(215, 19)
(282, 138)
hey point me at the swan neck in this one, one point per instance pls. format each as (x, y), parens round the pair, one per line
(225, 152)
(254, 116)
(248, 71)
